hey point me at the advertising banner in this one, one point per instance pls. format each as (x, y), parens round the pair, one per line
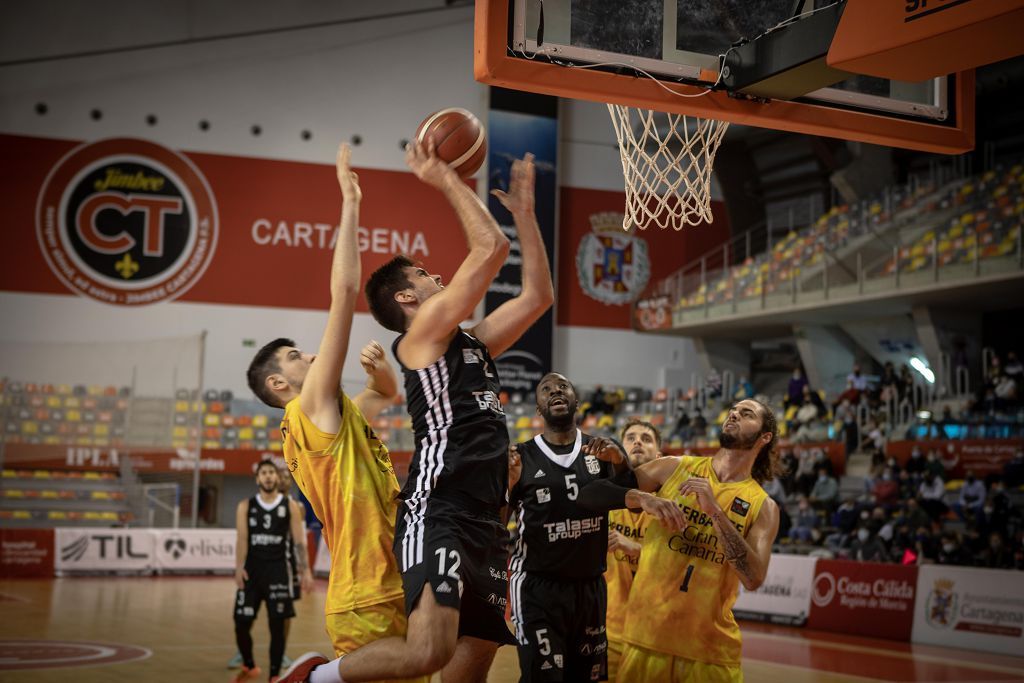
(515, 128)
(978, 609)
(982, 456)
(785, 595)
(863, 598)
(195, 551)
(105, 550)
(26, 553)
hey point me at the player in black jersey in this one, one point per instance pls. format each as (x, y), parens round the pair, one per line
(449, 540)
(268, 526)
(556, 574)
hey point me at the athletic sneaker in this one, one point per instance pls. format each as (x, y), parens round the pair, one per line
(247, 674)
(286, 661)
(302, 667)
(235, 661)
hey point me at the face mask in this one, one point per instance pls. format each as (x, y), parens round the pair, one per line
(948, 547)
(862, 535)
(892, 462)
(822, 477)
(864, 514)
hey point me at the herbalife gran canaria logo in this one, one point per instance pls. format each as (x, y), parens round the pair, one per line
(126, 222)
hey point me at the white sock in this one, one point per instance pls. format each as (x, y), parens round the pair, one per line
(326, 673)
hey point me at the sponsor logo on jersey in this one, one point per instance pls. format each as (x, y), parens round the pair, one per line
(595, 672)
(740, 506)
(546, 666)
(495, 599)
(573, 528)
(126, 222)
(281, 511)
(558, 660)
(445, 587)
(540, 473)
(543, 495)
(585, 649)
(591, 631)
(266, 539)
(469, 356)
(488, 400)
(593, 464)
(498, 574)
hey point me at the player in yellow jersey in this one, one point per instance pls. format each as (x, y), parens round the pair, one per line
(716, 532)
(336, 459)
(642, 442)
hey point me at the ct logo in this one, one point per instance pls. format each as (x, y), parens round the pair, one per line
(126, 222)
(824, 589)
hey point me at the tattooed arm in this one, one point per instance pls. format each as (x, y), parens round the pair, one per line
(299, 540)
(748, 556)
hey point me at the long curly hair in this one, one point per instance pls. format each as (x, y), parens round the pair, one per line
(768, 464)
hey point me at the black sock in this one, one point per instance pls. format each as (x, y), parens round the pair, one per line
(276, 645)
(243, 637)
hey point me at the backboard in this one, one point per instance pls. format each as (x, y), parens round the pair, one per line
(665, 55)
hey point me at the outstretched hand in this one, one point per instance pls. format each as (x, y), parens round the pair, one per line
(347, 178)
(372, 357)
(605, 449)
(519, 198)
(424, 162)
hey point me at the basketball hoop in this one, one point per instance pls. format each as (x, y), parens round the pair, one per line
(667, 174)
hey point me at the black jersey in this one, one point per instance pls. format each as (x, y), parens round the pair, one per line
(557, 537)
(269, 530)
(459, 424)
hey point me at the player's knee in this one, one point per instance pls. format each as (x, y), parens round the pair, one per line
(433, 654)
(243, 624)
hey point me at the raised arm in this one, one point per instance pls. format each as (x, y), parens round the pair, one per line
(241, 545)
(431, 329)
(381, 382)
(748, 556)
(508, 322)
(319, 396)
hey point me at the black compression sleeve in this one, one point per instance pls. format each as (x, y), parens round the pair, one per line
(607, 494)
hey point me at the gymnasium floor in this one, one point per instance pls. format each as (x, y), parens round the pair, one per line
(180, 629)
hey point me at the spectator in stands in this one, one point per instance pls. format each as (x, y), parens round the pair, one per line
(850, 394)
(795, 390)
(888, 385)
(913, 515)
(916, 464)
(806, 472)
(1013, 367)
(860, 381)
(805, 523)
(867, 547)
(598, 404)
(846, 418)
(972, 496)
(886, 490)
(809, 425)
(698, 425)
(952, 551)
(997, 555)
(744, 389)
(944, 423)
(713, 384)
(882, 524)
(826, 490)
(907, 485)
(933, 464)
(1013, 471)
(844, 519)
(681, 430)
(790, 465)
(1006, 392)
(932, 492)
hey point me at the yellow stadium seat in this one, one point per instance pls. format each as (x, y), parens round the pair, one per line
(181, 406)
(259, 421)
(29, 427)
(211, 419)
(247, 433)
(790, 413)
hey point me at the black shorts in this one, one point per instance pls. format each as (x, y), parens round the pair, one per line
(462, 555)
(269, 582)
(560, 628)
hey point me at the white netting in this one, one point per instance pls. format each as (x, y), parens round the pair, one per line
(666, 162)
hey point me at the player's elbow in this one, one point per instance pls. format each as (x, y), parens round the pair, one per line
(494, 249)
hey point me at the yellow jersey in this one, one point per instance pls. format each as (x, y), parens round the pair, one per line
(683, 592)
(349, 481)
(621, 568)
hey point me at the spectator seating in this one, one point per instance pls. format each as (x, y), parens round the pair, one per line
(33, 498)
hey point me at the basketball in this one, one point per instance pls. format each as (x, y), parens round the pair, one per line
(459, 139)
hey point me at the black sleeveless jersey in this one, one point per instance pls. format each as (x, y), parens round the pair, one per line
(459, 424)
(557, 537)
(269, 531)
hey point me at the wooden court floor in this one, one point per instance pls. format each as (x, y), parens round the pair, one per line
(185, 625)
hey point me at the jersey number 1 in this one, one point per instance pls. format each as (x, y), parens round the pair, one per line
(685, 587)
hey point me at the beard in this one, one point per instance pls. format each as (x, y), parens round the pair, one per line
(268, 489)
(561, 421)
(736, 442)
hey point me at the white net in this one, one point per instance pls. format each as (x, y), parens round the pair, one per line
(666, 162)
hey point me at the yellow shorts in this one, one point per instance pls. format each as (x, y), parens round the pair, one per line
(641, 664)
(614, 658)
(353, 629)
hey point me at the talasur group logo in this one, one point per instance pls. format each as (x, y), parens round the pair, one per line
(126, 222)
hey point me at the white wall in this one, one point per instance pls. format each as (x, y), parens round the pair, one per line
(374, 78)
